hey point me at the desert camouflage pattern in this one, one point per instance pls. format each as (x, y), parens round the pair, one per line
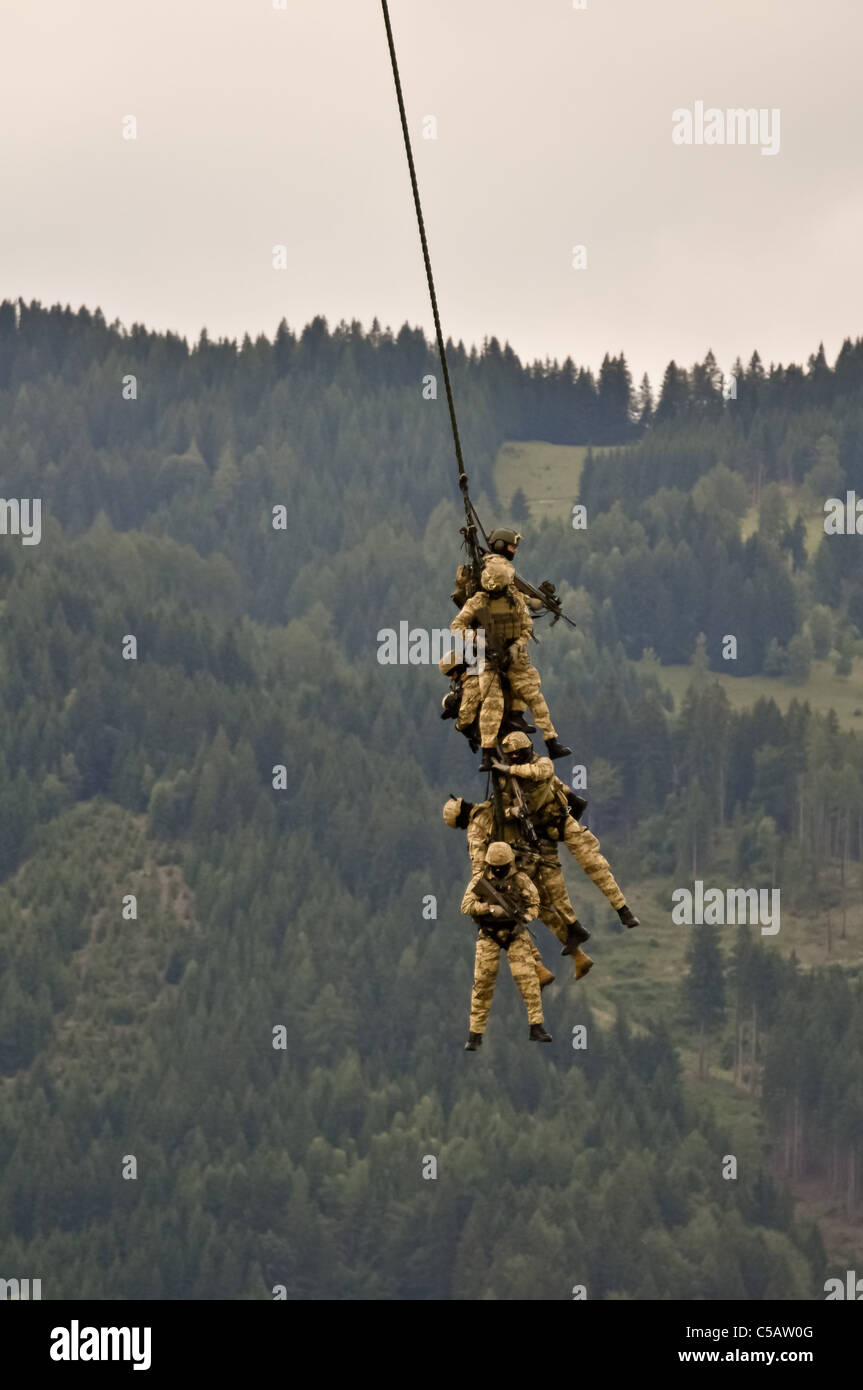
(539, 790)
(541, 972)
(516, 884)
(470, 700)
(555, 905)
(481, 832)
(523, 970)
(470, 704)
(498, 573)
(521, 675)
(584, 848)
(526, 693)
(525, 684)
(545, 871)
(472, 613)
(521, 956)
(491, 707)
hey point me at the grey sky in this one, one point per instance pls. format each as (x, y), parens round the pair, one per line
(258, 126)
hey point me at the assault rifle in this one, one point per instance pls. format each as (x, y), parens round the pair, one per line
(498, 807)
(522, 814)
(496, 927)
(547, 596)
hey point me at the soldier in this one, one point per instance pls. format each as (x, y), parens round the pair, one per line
(542, 868)
(547, 804)
(501, 611)
(501, 928)
(462, 703)
(504, 543)
(478, 821)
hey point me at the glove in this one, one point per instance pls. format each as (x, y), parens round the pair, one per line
(501, 767)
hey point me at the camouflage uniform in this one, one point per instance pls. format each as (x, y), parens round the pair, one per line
(545, 798)
(480, 833)
(501, 611)
(584, 848)
(467, 683)
(555, 908)
(488, 951)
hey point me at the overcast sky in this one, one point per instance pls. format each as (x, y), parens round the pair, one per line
(259, 126)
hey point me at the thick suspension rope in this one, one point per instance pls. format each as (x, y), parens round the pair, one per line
(473, 520)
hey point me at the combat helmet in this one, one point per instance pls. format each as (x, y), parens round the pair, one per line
(456, 812)
(450, 662)
(497, 573)
(499, 855)
(515, 741)
(500, 539)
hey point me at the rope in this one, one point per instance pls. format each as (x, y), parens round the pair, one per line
(462, 475)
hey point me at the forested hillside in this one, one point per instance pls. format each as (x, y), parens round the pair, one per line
(296, 903)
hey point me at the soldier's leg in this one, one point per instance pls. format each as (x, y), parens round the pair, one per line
(524, 973)
(485, 970)
(525, 684)
(470, 702)
(584, 847)
(477, 844)
(544, 975)
(558, 913)
(555, 908)
(491, 708)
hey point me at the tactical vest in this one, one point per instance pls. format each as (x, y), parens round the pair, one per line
(501, 619)
(544, 803)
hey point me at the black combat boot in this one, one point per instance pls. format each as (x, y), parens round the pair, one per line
(474, 1040)
(516, 723)
(538, 1033)
(489, 756)
(575, 934)
(557, 749)
(627, 917)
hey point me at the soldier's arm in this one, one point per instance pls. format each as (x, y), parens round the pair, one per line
(540, 770)
(478, 835)
(530, 896)
(466, 617)
(525, 620)
(471, 905)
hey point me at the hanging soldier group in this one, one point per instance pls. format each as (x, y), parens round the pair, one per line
(513, 836)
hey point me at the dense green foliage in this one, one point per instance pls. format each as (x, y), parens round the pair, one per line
(302, 908)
